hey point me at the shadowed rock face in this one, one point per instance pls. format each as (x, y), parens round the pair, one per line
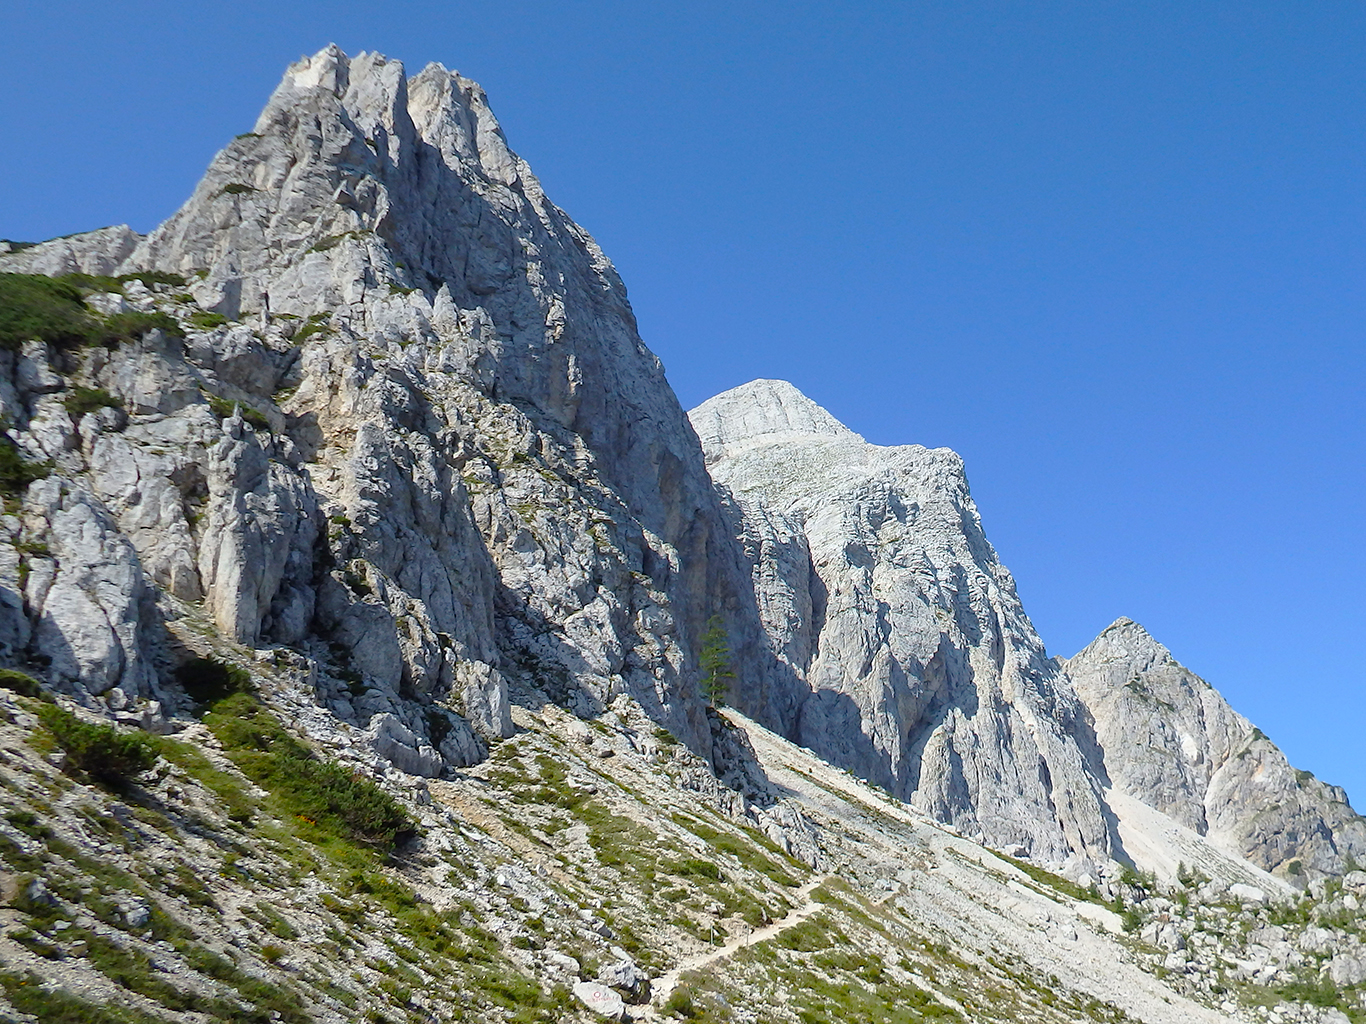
(1173, 742)
(474, 469)
(914, 663)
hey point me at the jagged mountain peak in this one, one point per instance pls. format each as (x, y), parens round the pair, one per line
(761, 412)
(1126, 646)
(1171, 741)
(449, 365)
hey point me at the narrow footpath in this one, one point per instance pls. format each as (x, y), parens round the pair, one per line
(662, 987)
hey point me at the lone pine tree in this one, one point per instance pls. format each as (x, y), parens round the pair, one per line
(715, 662)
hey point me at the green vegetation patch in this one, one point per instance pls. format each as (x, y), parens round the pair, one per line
(17, 472)
(79, 401)
(224, 785)
(1057, 882)
(100, 751)
(29, 994)
(223, 409)
(42, 308)
(53, 310)
(208, 680)
(207, 319)
(132, 324)
(748, 850)
(317, 324)
(23, 684)
(322, 793)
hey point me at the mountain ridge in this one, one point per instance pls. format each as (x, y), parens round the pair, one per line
(369, 454)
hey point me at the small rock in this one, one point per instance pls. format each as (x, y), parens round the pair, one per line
(600, 999)
(136, 915)
(38, 893)
(1246, 893)
(563, 962)
(1346, 970)
(606, 752)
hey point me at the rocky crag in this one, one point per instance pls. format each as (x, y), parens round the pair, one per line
(880, 591)
(452, 464)
(909, 659)
(351, 497)
(1170, 740)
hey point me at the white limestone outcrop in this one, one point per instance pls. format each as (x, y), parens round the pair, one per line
(410, 430)
(1170, 740)
(913, 661)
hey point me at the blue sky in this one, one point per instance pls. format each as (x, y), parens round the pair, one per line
(1111, 253)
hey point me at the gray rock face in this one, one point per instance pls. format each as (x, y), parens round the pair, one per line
(453, 465)
(91, 252)
(914, 664)
(471, 323)
(93, 611)
(1173, 742)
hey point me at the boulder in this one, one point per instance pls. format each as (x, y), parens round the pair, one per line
(628, 979)
(604, 1001)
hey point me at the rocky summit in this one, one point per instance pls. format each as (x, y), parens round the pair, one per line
(383, 642)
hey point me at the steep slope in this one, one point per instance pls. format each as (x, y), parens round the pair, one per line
(913, 662)
(456, 463)
(1171, 741)
(552, 878)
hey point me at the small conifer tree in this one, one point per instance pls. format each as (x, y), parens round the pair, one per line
(715, 663)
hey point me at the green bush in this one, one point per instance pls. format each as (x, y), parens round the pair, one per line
(695, 868)
(101, 283)
(98, 750)
(322, 793)
(1317, 992)
(151, 277)
(207, 319)
(208, 680)
(52, 309)
(223, 409)
(42, 308)
(131, 325)
(316, 324)
(80, 401)
(25, 685)
(17, 472)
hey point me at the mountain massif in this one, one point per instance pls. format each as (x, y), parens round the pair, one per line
(351, 496)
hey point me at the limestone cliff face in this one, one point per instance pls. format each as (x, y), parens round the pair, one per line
(396, 432)
(1170, 740)
(455, 463)
(913, 663)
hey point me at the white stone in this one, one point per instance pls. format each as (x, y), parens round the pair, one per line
(600, 999)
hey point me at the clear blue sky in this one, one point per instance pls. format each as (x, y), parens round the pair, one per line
(1110, 252)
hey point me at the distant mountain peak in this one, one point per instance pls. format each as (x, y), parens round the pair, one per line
(1125, 639)
(762, 411)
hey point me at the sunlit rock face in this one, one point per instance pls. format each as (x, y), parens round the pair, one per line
(455, 465)
(1170, 740)
(914, 663)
